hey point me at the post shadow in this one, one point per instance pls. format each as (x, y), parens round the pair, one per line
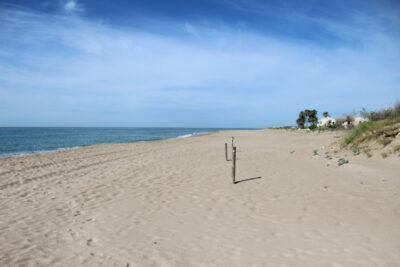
(248, 179)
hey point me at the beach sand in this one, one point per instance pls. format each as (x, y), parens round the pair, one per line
(172, 203)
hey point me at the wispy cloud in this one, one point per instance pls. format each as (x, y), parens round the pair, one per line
(64, 66)
(72, 6)
(189, 28)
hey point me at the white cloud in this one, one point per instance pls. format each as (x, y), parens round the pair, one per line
(72, 6)
(69, 63)
(189, 28)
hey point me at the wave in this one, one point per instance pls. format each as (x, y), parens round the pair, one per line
(193, 134)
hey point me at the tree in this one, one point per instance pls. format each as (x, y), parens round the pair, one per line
(312, 118)
(307, 116)
(325, 114)
(301, 120)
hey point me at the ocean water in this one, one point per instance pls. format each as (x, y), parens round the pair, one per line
(21, 140)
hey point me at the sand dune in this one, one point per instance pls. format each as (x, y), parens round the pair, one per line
(172, 203)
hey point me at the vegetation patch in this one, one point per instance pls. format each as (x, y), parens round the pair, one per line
(356, 151)
(383, 126)
(383, 131)
(342, 161)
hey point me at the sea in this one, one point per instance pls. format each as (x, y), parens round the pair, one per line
(17, 141)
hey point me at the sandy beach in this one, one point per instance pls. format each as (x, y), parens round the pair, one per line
(172, 203)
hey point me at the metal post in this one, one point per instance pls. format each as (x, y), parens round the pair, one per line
(234, 165)
(226, 152)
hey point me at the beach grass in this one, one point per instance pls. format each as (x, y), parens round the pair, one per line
(368, 131)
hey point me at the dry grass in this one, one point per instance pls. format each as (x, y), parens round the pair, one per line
(383, 131)
(383, 114)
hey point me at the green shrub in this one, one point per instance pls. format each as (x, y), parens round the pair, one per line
(356, 151)
(342, 161)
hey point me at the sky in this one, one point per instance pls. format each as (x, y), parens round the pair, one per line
(204, 63)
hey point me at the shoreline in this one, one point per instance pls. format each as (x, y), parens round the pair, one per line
(64, 149)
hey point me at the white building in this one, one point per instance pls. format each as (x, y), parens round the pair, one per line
(326, 121)
(358, 120)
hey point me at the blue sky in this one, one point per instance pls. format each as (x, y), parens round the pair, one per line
(211, 63)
